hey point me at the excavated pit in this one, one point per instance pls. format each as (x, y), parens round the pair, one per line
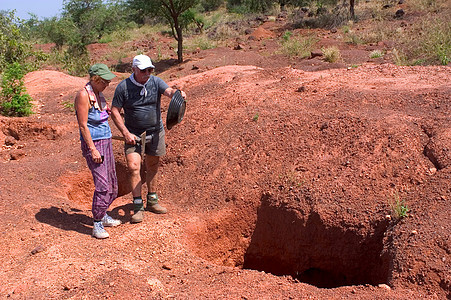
(291, 242)
(287, 242)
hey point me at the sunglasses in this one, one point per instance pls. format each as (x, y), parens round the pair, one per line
(105, 82)
(145, 70)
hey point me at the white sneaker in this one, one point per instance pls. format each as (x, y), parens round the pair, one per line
(98, 231)
(108, 221)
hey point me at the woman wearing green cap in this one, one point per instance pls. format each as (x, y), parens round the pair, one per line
(95, 135)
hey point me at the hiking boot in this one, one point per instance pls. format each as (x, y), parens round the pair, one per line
(108, 221)
(98, 231)
(153, 206)
(138, 210)
(137, 217)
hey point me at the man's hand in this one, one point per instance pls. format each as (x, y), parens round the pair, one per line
(169, 92)
(130, 138)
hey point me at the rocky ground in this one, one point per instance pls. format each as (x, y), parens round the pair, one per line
(281, 182)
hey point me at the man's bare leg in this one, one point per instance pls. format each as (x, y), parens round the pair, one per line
(134, 167)
(152, 164)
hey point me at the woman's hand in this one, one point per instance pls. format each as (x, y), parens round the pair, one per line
(96, 157)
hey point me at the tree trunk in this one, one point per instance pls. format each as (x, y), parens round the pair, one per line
(351, 9)
(179, 45)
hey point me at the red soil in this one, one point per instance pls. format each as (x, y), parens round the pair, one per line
(279, 184)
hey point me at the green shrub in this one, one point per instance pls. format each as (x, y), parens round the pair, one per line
(14, 100)
(399, 58)
(434, 44)
(13, 45)
(331, 54)
(201, 41)
(211, 5)
(399, 207)
(255, 118)
(353, 39)
(376, 54)
(428, 5)
(346, 29)
(76, 60)
(297, 47)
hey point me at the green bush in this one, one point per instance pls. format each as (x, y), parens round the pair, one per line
(58, 31)
(14, 100)
(76, 60)
(435, 42)
(331, 54)
(376, 54)
(211, 5)
(13, 45)
(297, 47)
(399, 207)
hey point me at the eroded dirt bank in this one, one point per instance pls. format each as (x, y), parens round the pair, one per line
(277, 170)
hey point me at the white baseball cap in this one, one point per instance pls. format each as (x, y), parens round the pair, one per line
(142, 62)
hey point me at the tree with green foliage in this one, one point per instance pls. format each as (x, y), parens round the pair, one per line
(211, 5)
(83, 22)
(58, 31)
(174, 12)
(14, 99)
(93, 19)
(13, 45)
(260, 6)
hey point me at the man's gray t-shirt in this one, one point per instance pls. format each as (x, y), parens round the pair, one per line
(141, 113)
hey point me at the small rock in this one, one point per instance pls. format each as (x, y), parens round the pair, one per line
(414, 232)
(324, 126)
(399, 13)
(38, 249)
(317, 53)
(155, 284)
(167, 267)
(10, 141)
(301, 89)
(384, 286)
(16, 154)
(238, 47)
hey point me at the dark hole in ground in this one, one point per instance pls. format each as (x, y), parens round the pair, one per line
(286, 242)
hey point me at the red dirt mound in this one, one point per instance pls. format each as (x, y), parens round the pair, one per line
(280, 183)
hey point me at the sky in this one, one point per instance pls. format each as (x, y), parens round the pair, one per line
(41, 8)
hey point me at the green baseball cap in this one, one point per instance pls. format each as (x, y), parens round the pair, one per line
(102, 71)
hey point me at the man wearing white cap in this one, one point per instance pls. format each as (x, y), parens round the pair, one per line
(140, 97)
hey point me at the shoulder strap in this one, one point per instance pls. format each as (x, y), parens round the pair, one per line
(93, 98)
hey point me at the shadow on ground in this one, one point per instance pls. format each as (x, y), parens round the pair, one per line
(77, 220)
